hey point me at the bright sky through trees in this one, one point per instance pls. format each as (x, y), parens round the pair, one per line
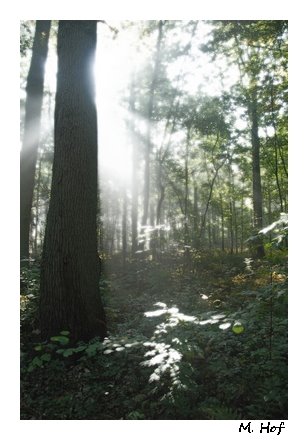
(118, 57)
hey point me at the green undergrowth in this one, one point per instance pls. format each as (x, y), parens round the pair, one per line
(197, 337)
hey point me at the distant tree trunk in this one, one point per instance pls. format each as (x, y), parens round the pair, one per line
(196, 217)
(160, 204)
(101, 236)
(31, 137)
(134, 210)
(118, 240)
(242, 223)
(100, 229)
(37, 208)
(256, 175)
(212, 183)
(70, 298)
(112, 238)
(210, 228)
(276, 146)
(222, 225)
(124, 228)
(269, 205)
(213, 221)
(148, 144)
(231, 229)
(235, 227)
(113, 232)
(134, 181)
(158, 233)
(252, 107)
(186, 230)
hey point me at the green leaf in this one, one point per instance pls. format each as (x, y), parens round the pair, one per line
(91, 351)
(36, 362)
(46, 357)
(38, 348)
(68, 352)
(135, 415)
(63, 340)
(81, 348)
(238, 328)
(60, 350)
(65, 333)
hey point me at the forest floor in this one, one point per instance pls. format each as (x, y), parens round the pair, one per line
(190, 337)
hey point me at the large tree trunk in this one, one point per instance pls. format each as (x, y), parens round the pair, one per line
(256, 175)
(70, 298)
(31, 137)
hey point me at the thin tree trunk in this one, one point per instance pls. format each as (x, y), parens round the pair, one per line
(214, 230)
(268, 203)
(124, 229)
(276, 151)
(222, 225)
(231, 229)
(37, 208)
(235, 227)
(158, 231)
(159, 205)
(135, 161)
(101, 236)
(148, 144)
(256, 175)
(186, 231)
(255, 141)
(33, 108)
(210, 228)
(70, 298)
(242, 223)
(196, 217)
(202, 228)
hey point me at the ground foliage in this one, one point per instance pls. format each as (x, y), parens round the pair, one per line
(191, 336)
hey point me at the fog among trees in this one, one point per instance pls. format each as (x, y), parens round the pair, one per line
(153, 219)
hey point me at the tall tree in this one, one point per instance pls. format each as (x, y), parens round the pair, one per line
(256, 46)
(148, 141)
(256, 173)
(135, 160)
(70, 298)
(34, 89)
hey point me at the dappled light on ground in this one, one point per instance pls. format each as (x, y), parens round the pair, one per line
(165, 359)
(169, 353)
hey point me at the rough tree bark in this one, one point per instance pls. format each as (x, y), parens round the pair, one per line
(70, 298)
(31, 137)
